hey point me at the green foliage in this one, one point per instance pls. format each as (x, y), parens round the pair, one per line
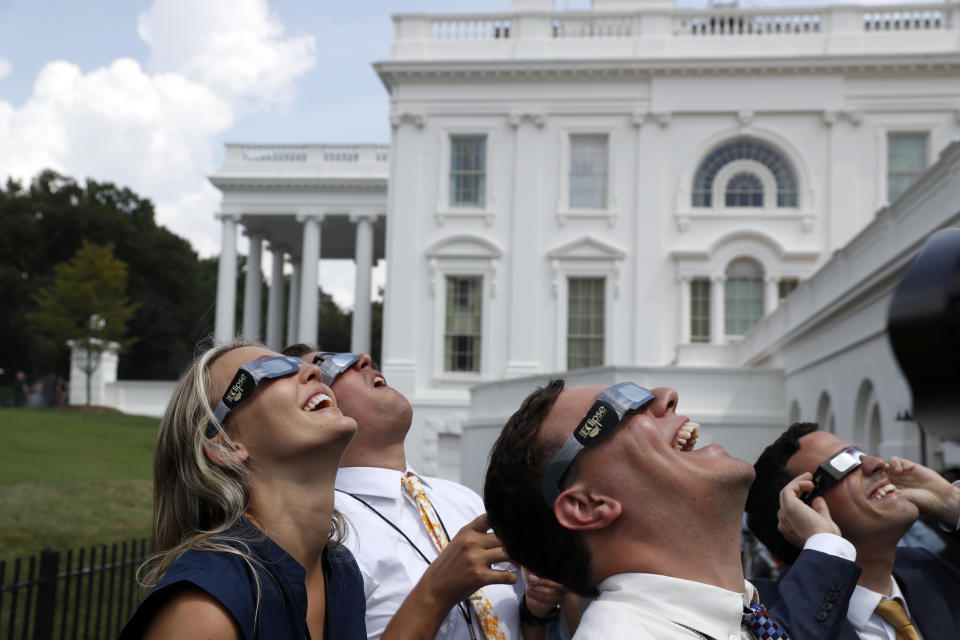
(46, 223)
(86, 302)
(72, 478)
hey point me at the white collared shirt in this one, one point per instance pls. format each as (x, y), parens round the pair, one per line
(389, 565)
(868, 623)
(647, 606)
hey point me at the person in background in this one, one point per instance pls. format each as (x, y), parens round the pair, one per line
(20, 389)
(808, 477)
(418, 539)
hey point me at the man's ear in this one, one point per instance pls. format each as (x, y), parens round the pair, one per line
(579, 510)
(218, 452)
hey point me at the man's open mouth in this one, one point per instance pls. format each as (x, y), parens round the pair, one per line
(686, 437)
(882, 490)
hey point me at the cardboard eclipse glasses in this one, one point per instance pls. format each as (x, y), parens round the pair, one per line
(602, 418)
(247, 379)
(833, 470)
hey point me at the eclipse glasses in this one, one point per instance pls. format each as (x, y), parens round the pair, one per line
(603, 417)
(833, 470)
(247, 379)
(333, 364)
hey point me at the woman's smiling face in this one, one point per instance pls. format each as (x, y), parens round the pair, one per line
(285, 418)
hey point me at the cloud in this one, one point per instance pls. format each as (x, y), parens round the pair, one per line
(5, 67)
(234, 46)
(157, 131)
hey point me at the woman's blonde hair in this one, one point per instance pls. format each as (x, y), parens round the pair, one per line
(195, 500)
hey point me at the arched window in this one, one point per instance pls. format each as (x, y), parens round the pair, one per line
(794, 413)
(745, 149)
(743, 296)
(825, 414)
(744, 190)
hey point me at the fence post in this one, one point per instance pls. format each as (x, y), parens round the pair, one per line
(46, 594)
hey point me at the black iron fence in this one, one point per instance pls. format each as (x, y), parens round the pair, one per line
(80, 594)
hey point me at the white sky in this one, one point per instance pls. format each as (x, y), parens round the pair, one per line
(144, 93)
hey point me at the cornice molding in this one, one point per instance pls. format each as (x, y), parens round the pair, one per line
(619, 68)
(298, 183)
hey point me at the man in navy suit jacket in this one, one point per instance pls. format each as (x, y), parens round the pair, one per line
(862, 502)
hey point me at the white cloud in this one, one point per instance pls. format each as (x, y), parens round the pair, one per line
(5, 67)
(235, 46)
(157, 131)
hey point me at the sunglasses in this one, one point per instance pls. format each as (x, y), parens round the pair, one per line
(247, 379)
(603, 417)
(833, 470)
(332, 364)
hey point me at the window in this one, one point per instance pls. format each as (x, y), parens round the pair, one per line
(744, 190)
(468, 171)
(786, 286)
(700, 310)
(783, 173)
(585, 322)
(588, 171)
(463, 323)
(743, 296)
(906, 160)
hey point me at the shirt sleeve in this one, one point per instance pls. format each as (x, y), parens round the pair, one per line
(831, 544)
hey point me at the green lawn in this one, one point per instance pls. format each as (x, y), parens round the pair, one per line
(72, 478)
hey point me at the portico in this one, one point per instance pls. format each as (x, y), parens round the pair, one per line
(302, 203)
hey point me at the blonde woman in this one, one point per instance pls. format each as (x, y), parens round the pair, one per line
(245, 531)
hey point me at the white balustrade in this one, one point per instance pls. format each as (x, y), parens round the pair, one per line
(647, 31)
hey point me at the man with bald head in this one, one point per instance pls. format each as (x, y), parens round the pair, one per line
(601, 489)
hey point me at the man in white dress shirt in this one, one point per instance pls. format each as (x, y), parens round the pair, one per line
(617, 504)
(390, 540)
(874, 504)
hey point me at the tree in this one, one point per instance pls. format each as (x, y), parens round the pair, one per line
(46, 222)
(86, 303)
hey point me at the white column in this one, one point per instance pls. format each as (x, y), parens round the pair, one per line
(275, 300)
(226, 279)
(718, 310)
(252, 291)
(771, 294)
(309, 278)
(523, 353)
(363, 256)
(684, 309)
(293, 305)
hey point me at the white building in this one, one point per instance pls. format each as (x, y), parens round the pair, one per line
(630, 188)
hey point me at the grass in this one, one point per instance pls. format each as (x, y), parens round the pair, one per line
(72, 478)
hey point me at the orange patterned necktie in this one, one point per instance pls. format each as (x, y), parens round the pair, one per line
(896, 616)
(489, 622)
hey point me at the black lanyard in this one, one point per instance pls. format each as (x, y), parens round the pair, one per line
(463, 606)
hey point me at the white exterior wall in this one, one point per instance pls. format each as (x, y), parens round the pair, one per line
(829, 336)
(825, 100)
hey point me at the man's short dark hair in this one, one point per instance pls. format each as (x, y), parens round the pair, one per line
(526, 527)
(297, 350)
(763, 501)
